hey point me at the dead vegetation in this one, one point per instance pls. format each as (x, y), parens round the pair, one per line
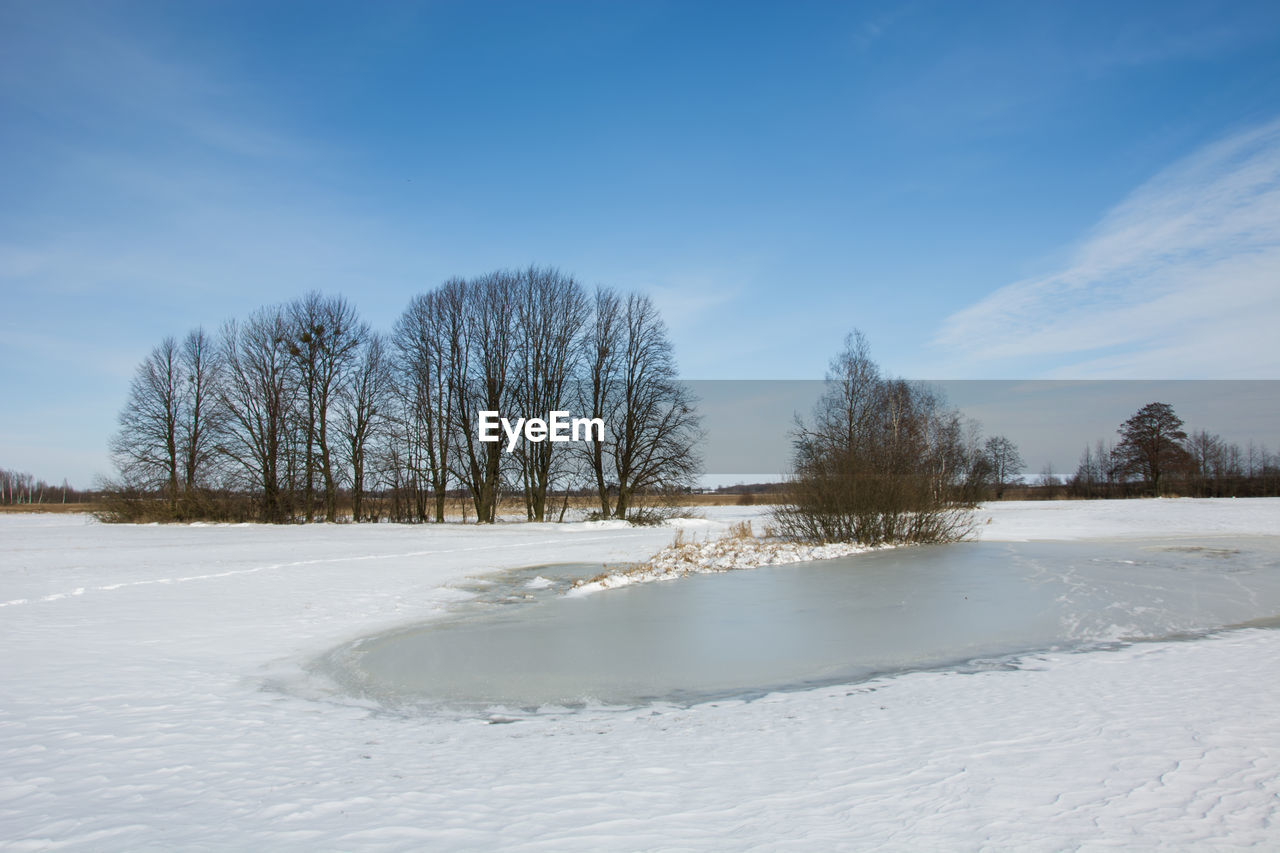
(52, 508)
(457, 508)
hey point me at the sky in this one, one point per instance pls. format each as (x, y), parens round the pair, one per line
(987, 190)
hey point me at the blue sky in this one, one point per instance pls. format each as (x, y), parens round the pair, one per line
(987, 190)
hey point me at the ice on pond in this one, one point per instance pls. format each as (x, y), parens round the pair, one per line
(832, 621)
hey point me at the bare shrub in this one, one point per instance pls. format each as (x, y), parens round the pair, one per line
(648, 515)
(881, 463)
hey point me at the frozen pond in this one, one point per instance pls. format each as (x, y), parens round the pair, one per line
(522, 644)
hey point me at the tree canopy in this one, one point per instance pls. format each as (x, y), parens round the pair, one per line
(1151, 444)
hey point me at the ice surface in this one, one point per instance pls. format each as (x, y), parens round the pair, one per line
(837, 620)
(152, 697)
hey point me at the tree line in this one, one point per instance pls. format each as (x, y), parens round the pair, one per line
(301, 412)
(1156, 456)
(886, 460)
(20, 488)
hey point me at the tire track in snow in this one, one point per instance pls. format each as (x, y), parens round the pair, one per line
(58, 596)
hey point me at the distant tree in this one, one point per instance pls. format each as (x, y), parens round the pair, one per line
(1207, 453)
(976, 475)
(1151, 444)
(1233, 461)
(1255, 459)
(1004, 460)
(19, 487)
(1104, 459)
(1094, 477)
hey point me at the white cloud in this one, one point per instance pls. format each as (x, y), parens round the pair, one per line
(689, 300)
(1180, 280)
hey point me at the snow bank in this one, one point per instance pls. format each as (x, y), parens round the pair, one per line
(736, 550)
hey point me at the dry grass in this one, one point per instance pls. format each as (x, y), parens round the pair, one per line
(57, 508)
(728, 500)
(591, 502)
(453, 507)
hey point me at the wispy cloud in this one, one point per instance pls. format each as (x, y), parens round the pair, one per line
(689, 299)
(151, 185)
(83, 70)
(1180, 280)
(153, 167)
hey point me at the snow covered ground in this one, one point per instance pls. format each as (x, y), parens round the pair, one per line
(712, 548)
(152, 696)
(1020, 521)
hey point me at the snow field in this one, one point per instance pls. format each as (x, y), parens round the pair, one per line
(152, 696)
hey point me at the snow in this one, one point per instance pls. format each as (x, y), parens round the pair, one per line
(1022, 521)
(153, 696)
(723, 554)
(1012, 521)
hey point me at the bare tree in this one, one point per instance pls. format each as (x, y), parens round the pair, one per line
(147, 448)
(1207, 453)
(480, 379)
(257, 396)
(1104, 457)
(550, 312)
(324, 334)
(848, 416)
(1005, 461)
(601, 358)
(428, 343)
(651, 428)
(362, 411)
(1232, 461)
(19, 487)
(201, 414)
(1089, 478)
(165, 440)
(258, 408)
